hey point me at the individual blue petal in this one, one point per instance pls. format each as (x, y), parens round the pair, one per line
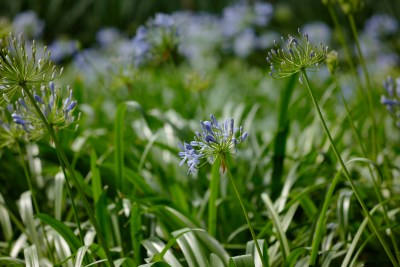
(210, 138)
(243, 137)
(38, 98)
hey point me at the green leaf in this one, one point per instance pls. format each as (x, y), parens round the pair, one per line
(278, 225)
(5, 220)
(119, 140)
(59, 180)
(251, 249)
(156, 264)
(62, 229)
(96, 177)
(292, 258)
(242, 261)
(5, 261)
(195, 253)
(154, 246)
(136, 232)
(31, 257)
(102, 216)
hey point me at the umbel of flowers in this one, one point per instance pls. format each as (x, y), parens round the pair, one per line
(57, 110)
(18, 68)
(297, 55)
(214, 141)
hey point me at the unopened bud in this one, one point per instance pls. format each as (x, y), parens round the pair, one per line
(332, 61)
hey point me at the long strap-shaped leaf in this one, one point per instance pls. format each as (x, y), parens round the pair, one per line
(278, 226)
(62, 229)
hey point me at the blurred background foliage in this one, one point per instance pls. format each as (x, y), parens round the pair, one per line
(81, 19)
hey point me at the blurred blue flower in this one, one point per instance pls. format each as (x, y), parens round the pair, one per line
(392, 98)
(141, 46)
(29, 24)
(244, 43)
(214, 141)
(380, 26)
(319, 30)
(107, 36)
(263, 13)
(240, 16)
(156, 42)
(163, 20)
(63, 48)
(200, 38)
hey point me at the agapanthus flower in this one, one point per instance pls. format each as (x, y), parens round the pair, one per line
(18, 68)
(10, 132)
(157, 41)
(29, 23)
(392, 98)
(299, 55)
(57, 108)
(215, 141)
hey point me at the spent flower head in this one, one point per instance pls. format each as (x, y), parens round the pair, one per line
(297, 55)
(57, 109)
(392, 98)
(19, 68)
(214, 141)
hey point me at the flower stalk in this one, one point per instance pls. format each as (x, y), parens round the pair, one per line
(347, 175)
(65, 162)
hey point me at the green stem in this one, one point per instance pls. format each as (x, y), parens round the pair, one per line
(345, 45)
(369, 88)
(376, 184)
(212, 207)
(34, 200)
(225, 163)
(72, 201)
(64, 159)
(346, 172)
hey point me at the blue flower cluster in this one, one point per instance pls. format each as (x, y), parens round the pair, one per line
(392, 98)
(57, 110)
(214, 141)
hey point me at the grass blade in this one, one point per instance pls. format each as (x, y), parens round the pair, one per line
(73, 242)
(59, 180)
(5, 220)
(119, 140)
(31, 257)
(278, 226)
(136, 232)
(242, 261)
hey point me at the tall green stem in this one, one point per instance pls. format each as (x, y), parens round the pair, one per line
(369, 88)
(225, 163)
(346, 172)
(345, 45)
(72, 200)
(65, 161)
(374, 180)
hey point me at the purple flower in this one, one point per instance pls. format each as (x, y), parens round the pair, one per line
(211, 143)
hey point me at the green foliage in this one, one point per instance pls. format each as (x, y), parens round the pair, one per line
(124, 160)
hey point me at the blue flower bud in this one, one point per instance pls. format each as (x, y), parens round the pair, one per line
(38, 98)
(210, 138)
(244, 136)
(17, 119)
